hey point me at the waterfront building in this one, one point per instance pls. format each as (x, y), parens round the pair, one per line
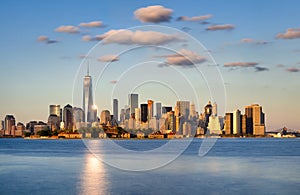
(53, 122)
(116, 109)
(144, 113)
(244, 124)
(214, 125)
(88, 98)
(249, 120)
(255, 120)
(228, 127)
(237, 122)
(10, 123)
(68, 117)
(20, 129)
(133, 102)
(105, 117)
(258, 120)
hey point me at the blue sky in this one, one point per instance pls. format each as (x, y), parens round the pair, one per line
(35, 74)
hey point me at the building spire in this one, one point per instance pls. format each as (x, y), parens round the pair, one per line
(88, 69)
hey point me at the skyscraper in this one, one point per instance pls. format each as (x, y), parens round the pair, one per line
(249, 120)
(150, 109)
(237, 122)
(144, 112)
(255, 120)
(133, 102)
(258, 120)
(158, 110)
(228, 123)
(9, 122)
(115, 109)
(183, 108)
(88, 98)
(68, 117)
(55, 110)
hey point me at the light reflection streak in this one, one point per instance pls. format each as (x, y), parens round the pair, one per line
(93, 178)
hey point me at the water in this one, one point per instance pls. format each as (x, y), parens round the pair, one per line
(232, 166)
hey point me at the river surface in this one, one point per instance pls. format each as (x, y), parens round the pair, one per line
(231, 166)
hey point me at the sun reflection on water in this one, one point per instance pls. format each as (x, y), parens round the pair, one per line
(93, 177)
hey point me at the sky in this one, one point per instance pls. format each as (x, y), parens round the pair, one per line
(248, 49)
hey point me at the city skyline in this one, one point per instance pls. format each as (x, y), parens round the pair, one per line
(257, 54)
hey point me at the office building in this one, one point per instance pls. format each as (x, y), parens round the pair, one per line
(68, 117)
(144, 113)
(150, 109)
(183, 109)
(255, 120)
(237, 122)
(228, 127)
(88, 99)
(116, 109)
(10, 123)
(258, 120)
(53, 122)
(133, 102)
(158, 110)
(105, 117)
(214, 125)
(55, 110)
(249, 120)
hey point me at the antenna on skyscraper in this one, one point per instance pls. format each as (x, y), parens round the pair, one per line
(88, 68)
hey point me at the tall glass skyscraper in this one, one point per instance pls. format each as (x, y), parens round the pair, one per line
(133, 102)
(88, 98)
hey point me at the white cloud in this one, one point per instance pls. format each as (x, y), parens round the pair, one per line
(240, 64)
(291, 33)
(184, 57)
(220, 27)
(67, 29)
(155, 14)
(124, 36)
(195, 18)
(92, 24)
(108, 58)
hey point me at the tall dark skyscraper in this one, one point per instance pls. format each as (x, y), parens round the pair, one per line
(88, 98)
(68, 117)
(144, 113)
